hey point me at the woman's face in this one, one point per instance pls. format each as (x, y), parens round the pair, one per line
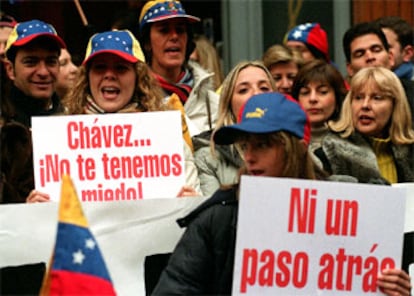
(112, 81)
(250, 81)
(318, 100)
(263, 158)
(284, 74)
(371, 111)
(168, 41)
(67, 71)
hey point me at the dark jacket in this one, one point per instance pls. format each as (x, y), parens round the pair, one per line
(202, 262)
(17, 175)
(408, 86)
(24, 107)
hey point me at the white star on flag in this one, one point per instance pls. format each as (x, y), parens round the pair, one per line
(297, 34)
(90, 244)
(78, 257)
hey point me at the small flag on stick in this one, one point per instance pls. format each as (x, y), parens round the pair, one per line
(77, 266)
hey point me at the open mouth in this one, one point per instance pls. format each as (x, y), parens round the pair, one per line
(173, 49)
(110, 92)
(256, 172)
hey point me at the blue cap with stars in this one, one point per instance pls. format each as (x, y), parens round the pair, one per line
(121, 43)
(159, 10)
(25, 32)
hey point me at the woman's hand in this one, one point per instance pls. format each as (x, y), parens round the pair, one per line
(394, 282)
(187, 191)
(37, 196)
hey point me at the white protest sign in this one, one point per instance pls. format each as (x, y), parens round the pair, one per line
(111, 156)
(303, 237)
(409, 230)
(126, 231)
(409, 207)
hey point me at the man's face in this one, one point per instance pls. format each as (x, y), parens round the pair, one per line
(35, 71)
(395, 46)
(368, 51)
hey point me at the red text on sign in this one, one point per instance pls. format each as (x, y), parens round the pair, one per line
(268, 268)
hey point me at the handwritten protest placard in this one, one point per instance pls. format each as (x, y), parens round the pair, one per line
(302, 237)
(111, 156)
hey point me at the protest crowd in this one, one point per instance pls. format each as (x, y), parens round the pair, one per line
(290, 113)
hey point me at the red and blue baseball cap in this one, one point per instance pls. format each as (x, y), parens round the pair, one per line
(310, 34)
(159, 10)
(267, 113)
(121, 43)
(25, 32)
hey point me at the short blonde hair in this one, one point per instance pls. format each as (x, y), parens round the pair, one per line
(278, 53)
(400, 128)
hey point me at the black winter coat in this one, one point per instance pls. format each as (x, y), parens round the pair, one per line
(202, 262)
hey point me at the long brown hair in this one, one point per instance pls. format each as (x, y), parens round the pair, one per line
(298, 162)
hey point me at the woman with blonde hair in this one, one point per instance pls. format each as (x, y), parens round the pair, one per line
(207, 56)
(284, 64)
(218, 165)
(373, 139)
(273, 144)
(114, 78)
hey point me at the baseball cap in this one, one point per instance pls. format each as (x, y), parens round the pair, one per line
(267, 113)
(159, 10)
(121, 43)
(25, 32)
(310, 34)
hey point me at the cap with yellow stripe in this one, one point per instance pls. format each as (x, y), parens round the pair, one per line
(25, 32)
(121, 43)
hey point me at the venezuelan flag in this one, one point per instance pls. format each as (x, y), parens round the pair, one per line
(77, 266)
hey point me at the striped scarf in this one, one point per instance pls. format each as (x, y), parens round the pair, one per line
(182, 88)
(92, 108)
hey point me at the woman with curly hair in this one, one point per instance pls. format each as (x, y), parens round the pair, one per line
(114, 78)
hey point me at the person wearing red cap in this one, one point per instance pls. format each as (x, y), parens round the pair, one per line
(167, 40)
(32, 53)
(32, 64)
(114, 78)
(311, 40)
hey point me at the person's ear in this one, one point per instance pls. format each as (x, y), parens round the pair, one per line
(350, 70)
(9, 69)
(408, 53)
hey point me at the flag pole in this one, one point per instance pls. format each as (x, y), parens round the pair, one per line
(81, 13)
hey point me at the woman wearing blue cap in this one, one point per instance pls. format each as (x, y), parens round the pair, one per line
(166, 37)
(114, 78)
(273, 133)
